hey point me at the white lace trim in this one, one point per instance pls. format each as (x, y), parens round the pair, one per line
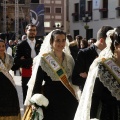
(4, 68)
(83, 110)
(46, 48)
(8, 62)
(109, 81)
(67, 64)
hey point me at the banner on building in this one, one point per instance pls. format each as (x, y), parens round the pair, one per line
(82, 8)
(37, 17)
(96, 4)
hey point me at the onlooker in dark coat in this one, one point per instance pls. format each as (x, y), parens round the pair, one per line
(86, 56)
(25, 52)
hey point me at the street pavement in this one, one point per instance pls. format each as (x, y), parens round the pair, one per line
(17, 79)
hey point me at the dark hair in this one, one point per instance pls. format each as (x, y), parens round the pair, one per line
(69, 37)
(94, 40)
(78, 37)
(102, 32)
(32, 25)
(85, 42)
(115, 38)
(1, 40)
(55, 32)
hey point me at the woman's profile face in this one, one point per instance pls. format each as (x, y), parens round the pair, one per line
(2, 47)
(59, 42)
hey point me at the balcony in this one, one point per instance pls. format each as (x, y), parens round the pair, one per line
(74, 14)
(103, 9)
(117, 8)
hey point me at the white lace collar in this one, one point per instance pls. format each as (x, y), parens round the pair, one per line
(67, 64)
(8, 61)
(109, 81)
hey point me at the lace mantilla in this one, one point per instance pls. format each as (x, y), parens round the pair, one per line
(8, 61)
(5, 67)
(83, 110)
(109, 81)
(67, 64)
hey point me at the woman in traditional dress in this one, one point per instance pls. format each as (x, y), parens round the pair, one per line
(101, 95)
(54, 65)
(9, 103)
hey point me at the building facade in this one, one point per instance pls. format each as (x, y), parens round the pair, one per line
(55, 15)
(8, 16)
(99, 13)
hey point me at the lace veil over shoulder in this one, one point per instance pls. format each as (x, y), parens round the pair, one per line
(83, 110)
(45, 48)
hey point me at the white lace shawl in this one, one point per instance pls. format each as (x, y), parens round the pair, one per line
(8, 62)
(68, 65)
(83, 110)
(5, 67)
(46, 48)
(109, 81)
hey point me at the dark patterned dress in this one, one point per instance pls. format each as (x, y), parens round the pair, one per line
(62, 104)
(105, 99)
(9, 103)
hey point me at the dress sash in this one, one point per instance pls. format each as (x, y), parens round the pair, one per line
(59, 71)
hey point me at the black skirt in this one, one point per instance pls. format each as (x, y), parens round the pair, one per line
(9, 102)
(62, 104)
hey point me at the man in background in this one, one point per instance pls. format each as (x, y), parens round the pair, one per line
(86, 56)
(26, 50)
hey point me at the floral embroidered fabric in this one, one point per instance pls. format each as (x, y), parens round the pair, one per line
(109, 81)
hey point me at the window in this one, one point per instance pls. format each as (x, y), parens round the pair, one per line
(90, 8)
(34, 1)
(21, 1)
(47, 9)
(89, 33)
(46, 24)
(118, 9)
(76, 12)
(58, 1)
(104, 10)
(58, 10)
(76, 32)
(47, 1)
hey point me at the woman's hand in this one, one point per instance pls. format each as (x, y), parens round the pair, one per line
(84, 75)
